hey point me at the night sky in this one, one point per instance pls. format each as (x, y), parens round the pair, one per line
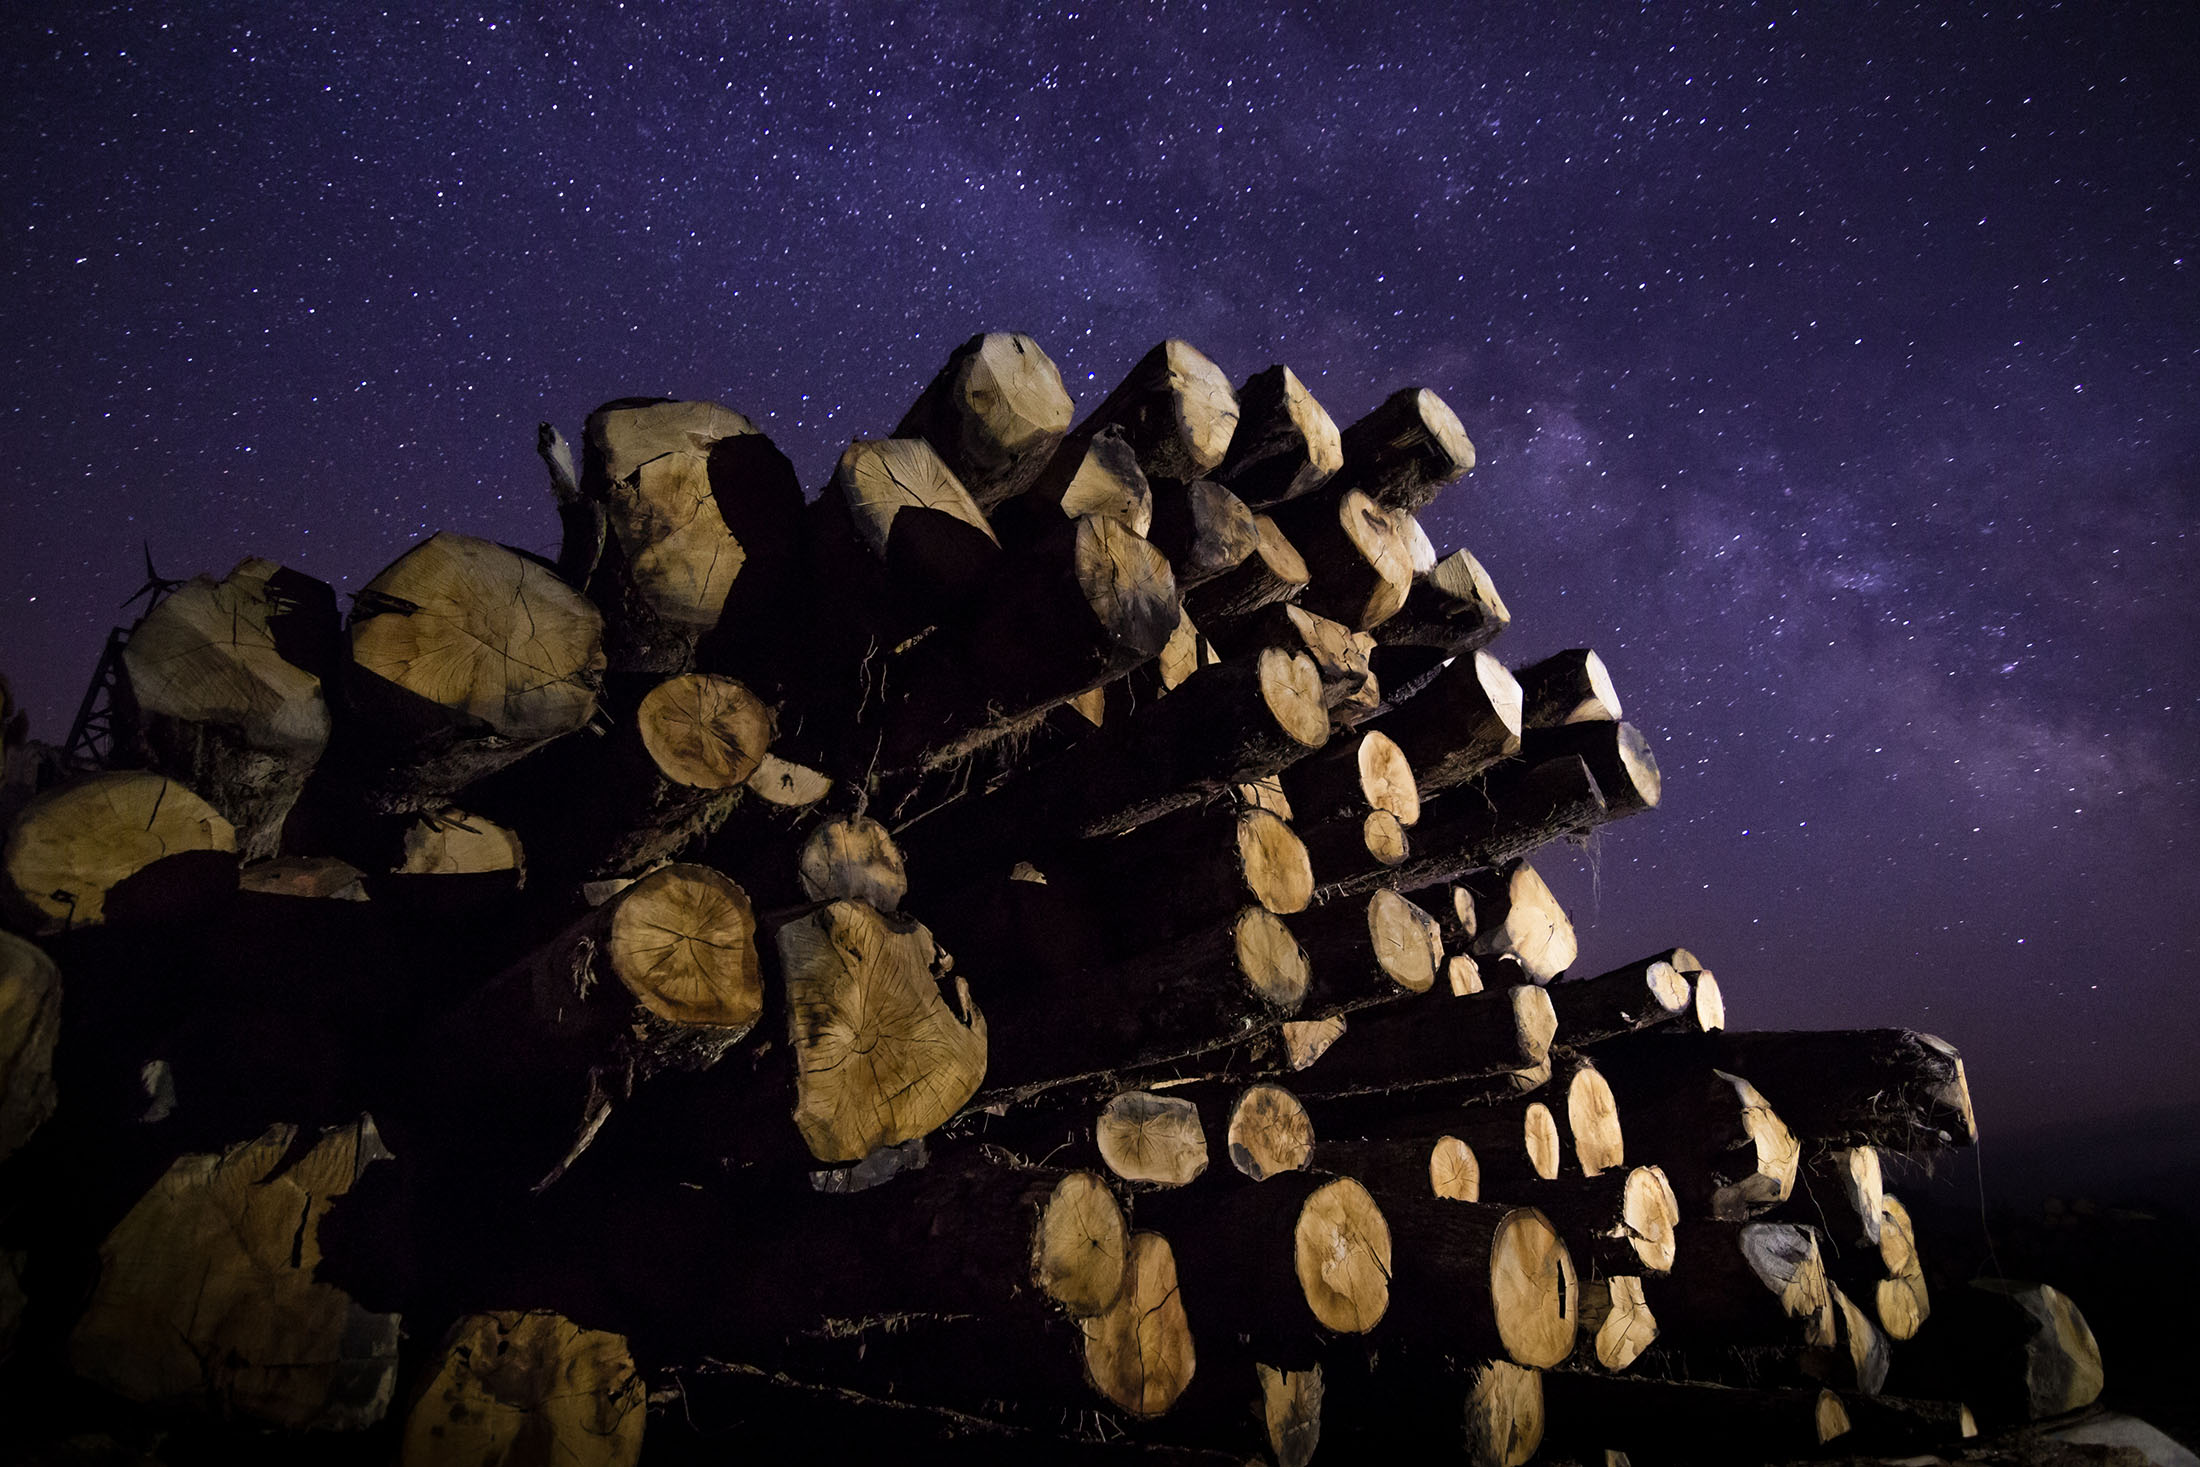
(1832, 372)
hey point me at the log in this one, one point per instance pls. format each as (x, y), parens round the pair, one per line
(1744, 1284)
(1858, 1358)
(672, 769)
(1517, 810)
(1567, 687)
(1617, 1324)
(1075, 608)
(1360, 954)
(1621, 1221)
(1905, 1425)
(1349, 689)
(1274, 571)
(1358, 558)
(1235, 722)
(1138, 1351)
(223, 689)
(1403, 453)
(1643, 994)
(1480, 1278)
(1176, 409)
(124, 846)
(1269, 1132)
(466, 656)
(1709, 1006)
(1097, 476)
(1894, 1088)
(1417, 1166)
(1203, 528)
(30, 1026)
(995, 413)
(1452, 611)
(1513, 1140)
(1461, 724)
(1222, 987)
(2012, 1351)
(665, 977)
(207, 1297)
(691, 494)
(852, 858)
(1189, 869)
(1152, 1138)
(1291, 1410)
(1273, 1262)
(1891, 1278)
(1351, 778)
(521, 1386)
(1691, 1421)
(1729, 1154)
(1846, 1189)
(862, 987)
(1516, 916)
(914, 523)
(1617, 755)
(1286, 444)
(1589, 1120)
(1434, 1041)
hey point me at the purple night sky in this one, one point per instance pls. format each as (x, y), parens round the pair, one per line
(1832, 373)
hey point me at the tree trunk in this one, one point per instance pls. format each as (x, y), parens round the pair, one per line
(1616, 753)
(1349, 690)
(1458, 726)
(1453, 610)
(1097, 476)
(1434, 1040)
(1617, 1324)
(1743, 1284)
(1622, 1221)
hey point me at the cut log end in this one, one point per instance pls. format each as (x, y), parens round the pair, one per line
(1291, 689)
(74, 847)
(1385, 838)
(1408, 943)
(1078, 1248)
(1128, 585)
(881, 1057)
(1776, 1154)
(1710, 1004)
(1342, 1255)
(703, 731)
(1269, 1132)
(1273, 965)
(1291, 1409)
(484, 633)
(993, 414)
(1618, 1320)
(1533, 1292)
(1504, 1415)
(1274, 862)
(683, 941)
(853, 858)
(1138, 1352)
(1592, 1115)
(1152, 1138)
(1650, 1211)
(505, 1378)
(1307, 1040)
(1453, 1173)
(1540, 1137)
(1386, 778)
(879, 478)
(451, 842)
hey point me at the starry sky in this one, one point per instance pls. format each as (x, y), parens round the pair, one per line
(1832, 372)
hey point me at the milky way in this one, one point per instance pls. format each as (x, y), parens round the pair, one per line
(1832, 372)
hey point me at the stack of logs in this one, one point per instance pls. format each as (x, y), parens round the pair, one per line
(1029, 953)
